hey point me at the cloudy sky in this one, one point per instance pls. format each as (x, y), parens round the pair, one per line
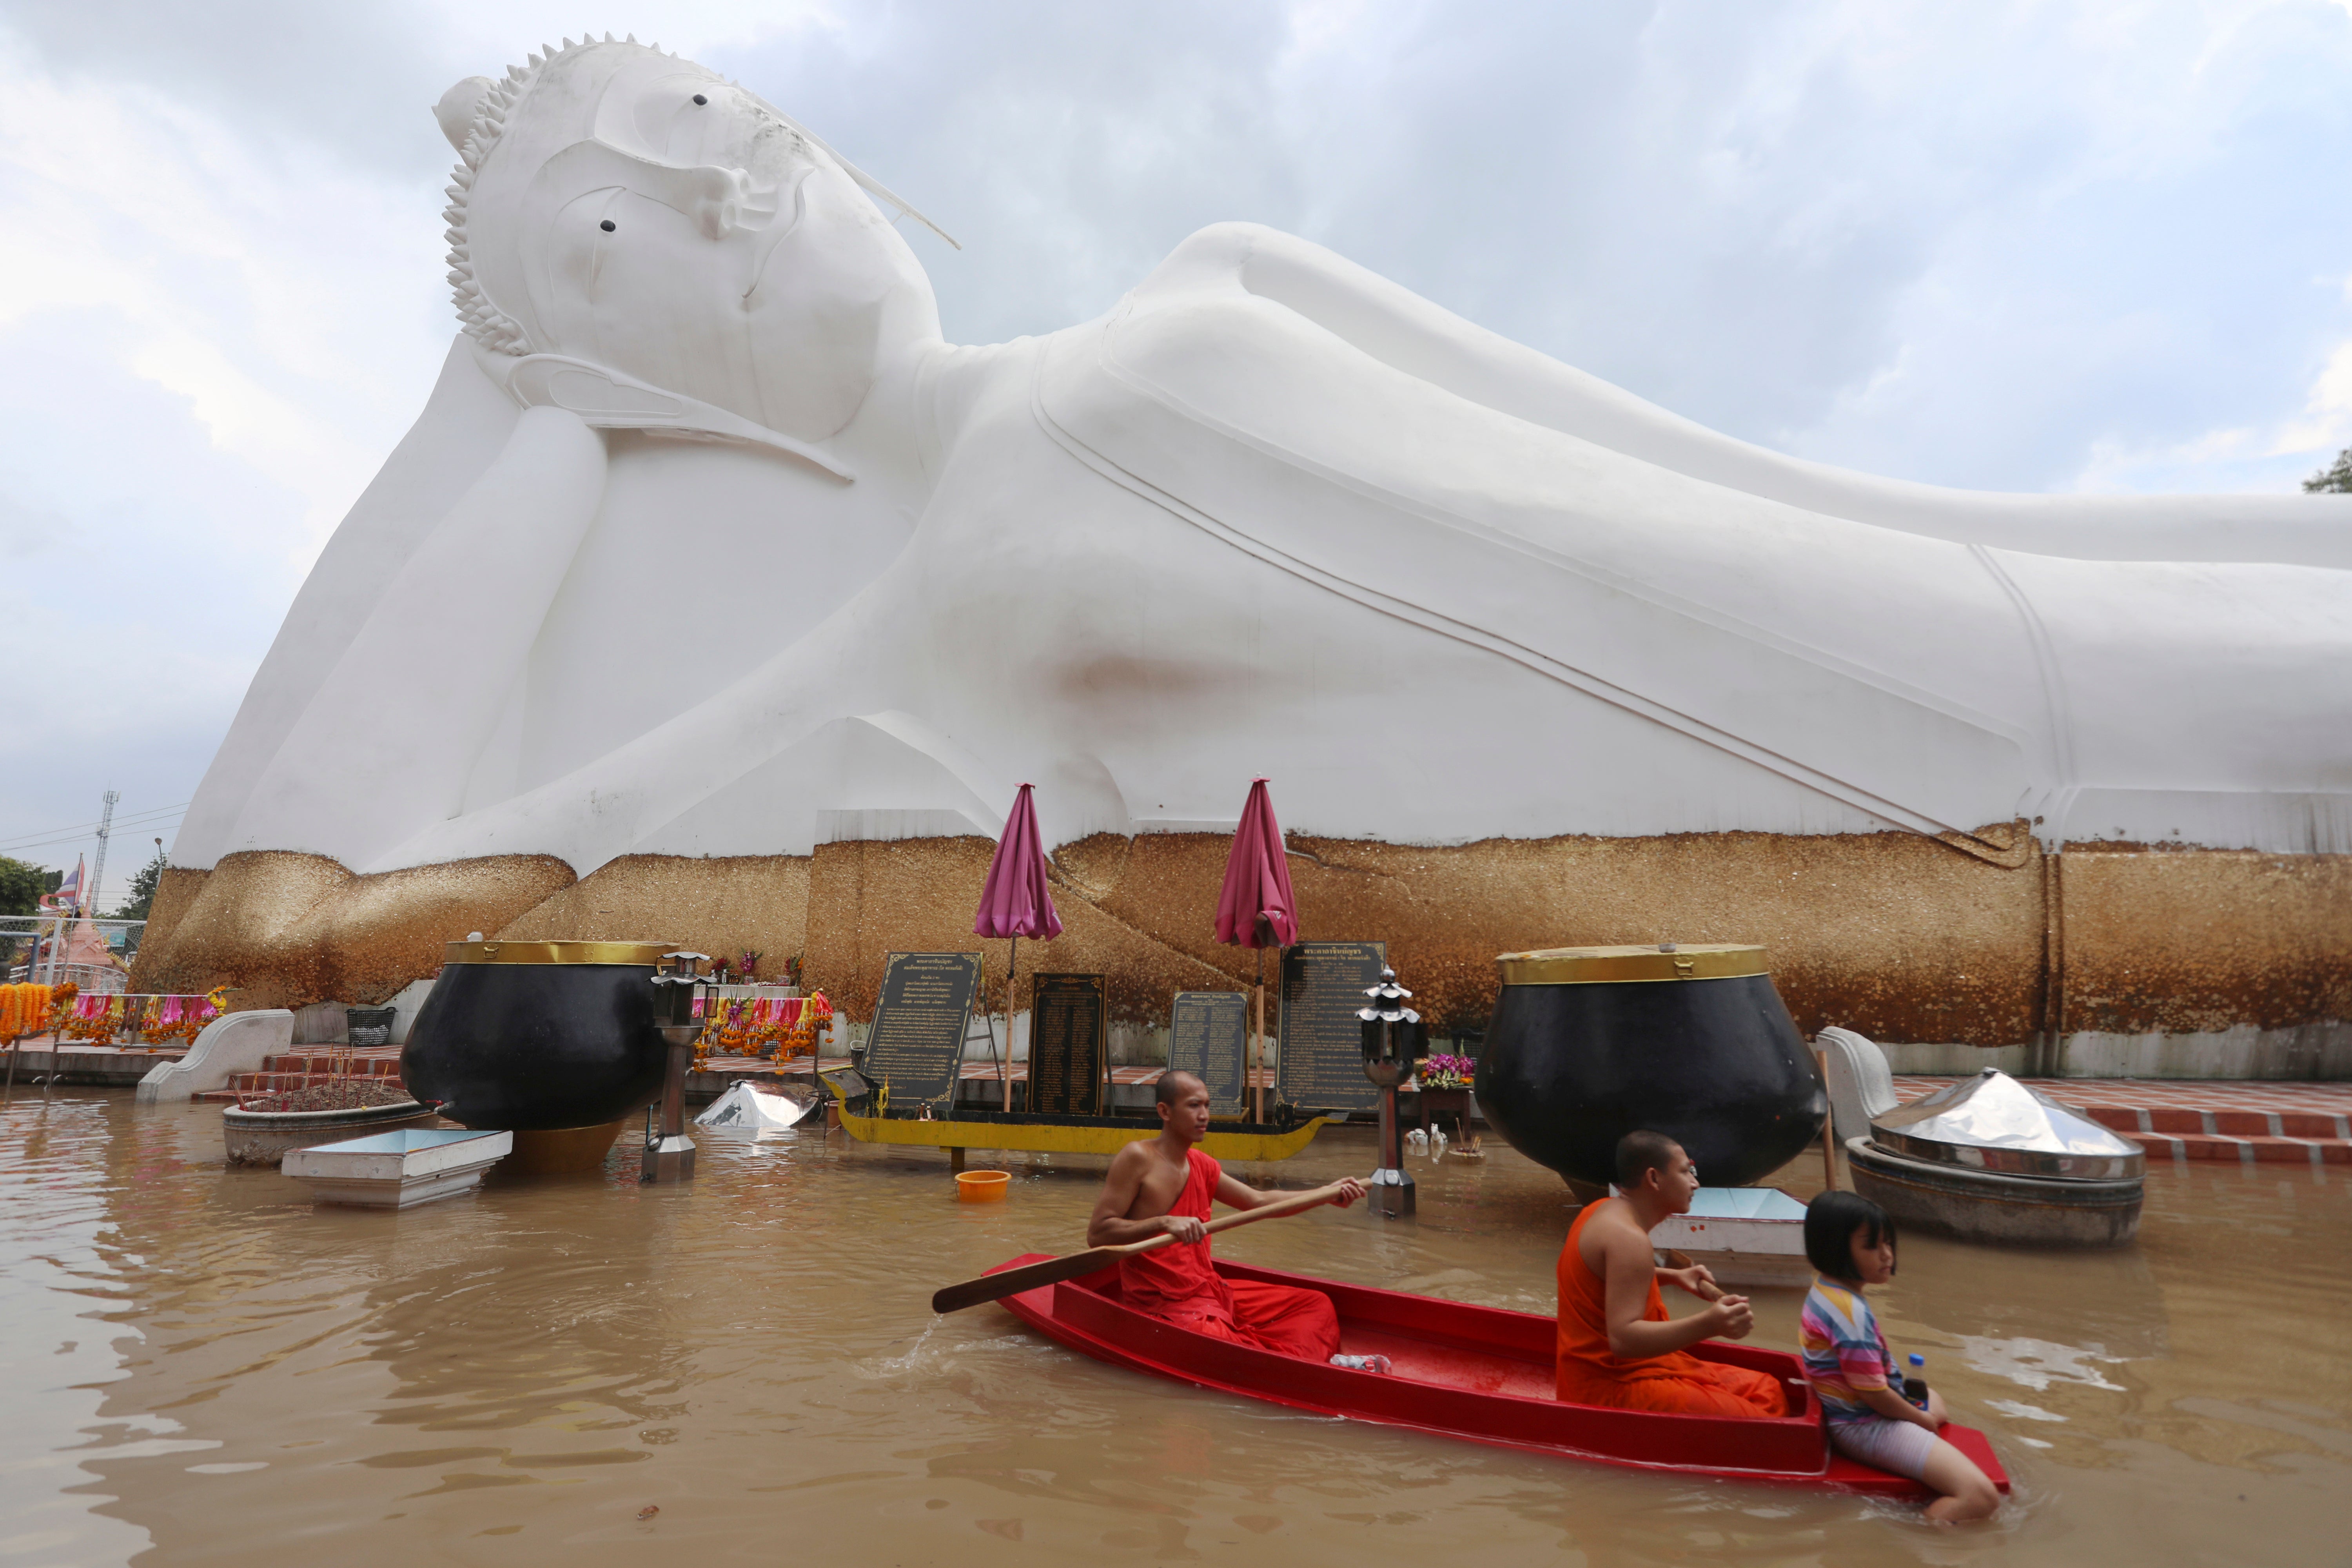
(2099, 246)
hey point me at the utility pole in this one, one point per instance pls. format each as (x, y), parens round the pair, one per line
(98, 872)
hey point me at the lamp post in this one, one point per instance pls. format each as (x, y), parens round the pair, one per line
(1395, 1039)
(669, 1154)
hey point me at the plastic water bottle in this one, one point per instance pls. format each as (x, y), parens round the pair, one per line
(1379, 1363)
(1914, 1381)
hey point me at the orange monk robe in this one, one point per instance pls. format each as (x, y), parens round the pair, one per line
(1177, 1282)
(1677, 1382)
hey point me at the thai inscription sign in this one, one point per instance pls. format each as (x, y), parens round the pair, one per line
(1069, 1045)
(1209, 1035)
(1322, 1042)
(916, 1045)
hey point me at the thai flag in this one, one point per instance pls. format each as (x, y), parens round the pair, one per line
(68, 897)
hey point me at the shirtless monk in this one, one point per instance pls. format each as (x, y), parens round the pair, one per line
(1161, 1187)
(1617, 1346)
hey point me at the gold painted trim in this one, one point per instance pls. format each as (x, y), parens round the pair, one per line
(1616, 965)
(646, 953)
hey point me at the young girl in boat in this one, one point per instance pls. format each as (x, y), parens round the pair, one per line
(1850, 1242)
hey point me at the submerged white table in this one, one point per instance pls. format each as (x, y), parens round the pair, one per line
(1745, 1235)
(398, 1169)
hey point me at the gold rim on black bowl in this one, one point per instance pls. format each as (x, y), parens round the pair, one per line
(646, 954)
(1617, 965)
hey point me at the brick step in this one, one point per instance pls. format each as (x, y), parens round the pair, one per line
(2246, 1150)
(2180, 1122)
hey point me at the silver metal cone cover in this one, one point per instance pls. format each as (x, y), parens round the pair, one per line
(1992, 1123)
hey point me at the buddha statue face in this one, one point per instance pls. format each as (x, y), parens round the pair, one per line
(623, 206)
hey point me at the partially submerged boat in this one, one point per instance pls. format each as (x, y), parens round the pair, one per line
(1990, 1159)
(1481, 1373)
(255, 1137)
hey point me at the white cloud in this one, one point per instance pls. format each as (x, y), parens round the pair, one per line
(2327, 425)
(240, 282)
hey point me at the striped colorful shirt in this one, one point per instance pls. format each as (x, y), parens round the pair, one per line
(1844, 1352)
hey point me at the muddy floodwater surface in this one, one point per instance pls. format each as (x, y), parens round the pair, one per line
(203, 1368)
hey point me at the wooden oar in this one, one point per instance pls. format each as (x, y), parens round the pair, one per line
(1029, 1276)
(1683, 1260)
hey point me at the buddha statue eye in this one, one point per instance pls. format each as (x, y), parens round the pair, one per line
(699, 100)
(608, 225)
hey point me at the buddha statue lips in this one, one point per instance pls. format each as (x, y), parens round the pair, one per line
(707, 543)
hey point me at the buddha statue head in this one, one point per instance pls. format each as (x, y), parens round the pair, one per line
(620, 206)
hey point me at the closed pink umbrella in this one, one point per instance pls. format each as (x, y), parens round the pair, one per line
(1015, 903)
(1255, 908)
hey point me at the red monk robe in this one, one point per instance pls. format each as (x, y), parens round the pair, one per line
(1678, 1382)
(1177, 1282)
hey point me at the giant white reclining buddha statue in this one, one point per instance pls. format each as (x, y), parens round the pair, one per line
(707, 544)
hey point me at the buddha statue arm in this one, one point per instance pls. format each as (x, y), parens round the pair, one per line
(385, 744)
(459, 435)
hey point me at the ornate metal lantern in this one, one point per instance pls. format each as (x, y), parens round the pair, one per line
(669, 1153)
(1395, 1040)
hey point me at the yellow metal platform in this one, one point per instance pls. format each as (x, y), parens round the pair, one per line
(1071, 1135)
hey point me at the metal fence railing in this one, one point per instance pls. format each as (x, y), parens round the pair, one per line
(42, 948)
(89, 979)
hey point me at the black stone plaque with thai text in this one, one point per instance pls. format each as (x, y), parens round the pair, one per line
(916, 1046)
(1069, 1042)
(1322, 1041)
(1208, 1035)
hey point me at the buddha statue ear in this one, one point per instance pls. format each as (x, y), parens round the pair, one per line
(460, 107)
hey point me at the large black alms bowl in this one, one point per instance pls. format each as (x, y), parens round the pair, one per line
(532, 1046)
(1716, 1065)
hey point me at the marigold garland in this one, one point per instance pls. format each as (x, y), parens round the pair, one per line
(24, 1010)
(97, 1018)
(731, 1034)
(813, 1014)
(30, 1008)
(61, 1001)
(781, 1027)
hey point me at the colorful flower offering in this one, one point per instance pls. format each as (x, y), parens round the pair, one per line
(102, 1018)
(778, 1026)
(1448, 1072)
(24, 1010)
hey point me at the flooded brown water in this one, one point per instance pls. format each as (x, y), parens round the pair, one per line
(201, 1368)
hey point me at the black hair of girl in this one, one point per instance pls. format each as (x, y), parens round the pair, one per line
(1831, 1221)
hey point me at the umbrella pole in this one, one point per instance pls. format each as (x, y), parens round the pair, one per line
(1005, 1074)
(1258, 1046)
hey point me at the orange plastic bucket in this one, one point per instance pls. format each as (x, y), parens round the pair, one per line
(981, 1186)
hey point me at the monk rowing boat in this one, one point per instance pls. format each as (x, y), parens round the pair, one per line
(1476, 1372)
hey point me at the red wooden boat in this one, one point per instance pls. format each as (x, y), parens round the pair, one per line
(1476, 1372)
